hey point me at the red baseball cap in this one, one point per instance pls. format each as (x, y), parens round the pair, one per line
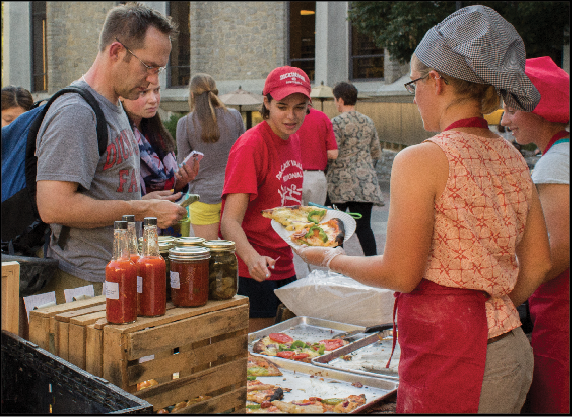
(553, 83)
(283, 81)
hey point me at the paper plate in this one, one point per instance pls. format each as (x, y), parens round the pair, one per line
(349, 226)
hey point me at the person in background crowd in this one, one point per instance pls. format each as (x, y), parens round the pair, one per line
(318, 145)
(75, 186)
(15, 101)
(264, 171)
(352, 179)
(545, 126)
(466, 237)
(158, 165)
(211, 129)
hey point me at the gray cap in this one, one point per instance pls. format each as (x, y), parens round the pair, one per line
(477, 44)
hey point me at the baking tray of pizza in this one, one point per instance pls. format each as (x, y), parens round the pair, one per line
(307, 329)
(367, 356)
(305, 388)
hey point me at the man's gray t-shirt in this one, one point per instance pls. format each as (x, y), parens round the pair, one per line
(67, 150)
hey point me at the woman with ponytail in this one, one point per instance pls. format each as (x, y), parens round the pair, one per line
(212, 129)
(466, 238)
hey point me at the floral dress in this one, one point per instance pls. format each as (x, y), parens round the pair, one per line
(352, 176)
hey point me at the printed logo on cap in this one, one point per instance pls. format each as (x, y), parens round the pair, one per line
(293, 75)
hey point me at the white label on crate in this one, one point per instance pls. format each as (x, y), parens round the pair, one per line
(139, 284)
(175, 282)
(112, 290)
(76, 293)
(38, 301)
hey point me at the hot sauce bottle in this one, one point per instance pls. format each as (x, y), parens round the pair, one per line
(151, 272)
(121, 280)
(133, 251)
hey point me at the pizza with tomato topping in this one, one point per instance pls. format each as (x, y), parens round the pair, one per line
(283, 346)
(328, 234)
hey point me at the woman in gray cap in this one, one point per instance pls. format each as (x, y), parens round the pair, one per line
(466, 238)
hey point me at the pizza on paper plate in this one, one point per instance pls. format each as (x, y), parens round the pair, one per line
(329, 234)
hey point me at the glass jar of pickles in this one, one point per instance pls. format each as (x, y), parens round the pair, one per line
(223, 269)
(189, 275)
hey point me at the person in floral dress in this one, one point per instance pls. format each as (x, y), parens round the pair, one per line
(352, 179)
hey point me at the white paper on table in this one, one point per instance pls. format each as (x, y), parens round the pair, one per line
(38, 300)
(77, 292)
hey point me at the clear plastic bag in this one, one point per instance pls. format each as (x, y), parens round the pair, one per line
(328, 295)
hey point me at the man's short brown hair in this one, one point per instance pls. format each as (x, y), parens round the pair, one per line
(347, 92)
(129, 22)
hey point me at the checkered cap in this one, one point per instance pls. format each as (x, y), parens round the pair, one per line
(477, 44)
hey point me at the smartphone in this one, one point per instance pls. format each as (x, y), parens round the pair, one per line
(193, 153)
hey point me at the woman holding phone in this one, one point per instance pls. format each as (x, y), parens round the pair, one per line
(211, 129)
(160, 175)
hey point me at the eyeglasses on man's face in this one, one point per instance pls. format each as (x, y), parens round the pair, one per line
(410, 86)
(151, 70)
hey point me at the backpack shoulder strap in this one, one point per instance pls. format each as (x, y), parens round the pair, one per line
(31, 160)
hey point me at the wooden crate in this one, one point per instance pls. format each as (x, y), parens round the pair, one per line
(42, 323)
(10, 296)
(197, 351)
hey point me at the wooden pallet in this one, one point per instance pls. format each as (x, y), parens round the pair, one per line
(198, 351)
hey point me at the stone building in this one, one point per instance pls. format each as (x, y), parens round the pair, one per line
(47, 45)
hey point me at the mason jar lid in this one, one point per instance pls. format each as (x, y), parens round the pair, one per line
(165, 246)
(189, 241)
(219, 245)
(191, 253)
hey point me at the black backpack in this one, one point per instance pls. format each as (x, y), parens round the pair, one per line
(23, 231)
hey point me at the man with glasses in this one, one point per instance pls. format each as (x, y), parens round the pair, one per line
(78, 188)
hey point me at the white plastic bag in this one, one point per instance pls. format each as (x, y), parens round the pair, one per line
(328, 295)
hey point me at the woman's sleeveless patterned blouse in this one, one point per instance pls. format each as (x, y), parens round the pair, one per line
(479, 221)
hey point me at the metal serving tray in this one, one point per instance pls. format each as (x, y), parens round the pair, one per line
(307, 329)
(306, 380)
(367, 356)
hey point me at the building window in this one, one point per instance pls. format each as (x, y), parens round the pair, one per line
(179, 68)
(302, 36)
(366, 59)
(39, 47)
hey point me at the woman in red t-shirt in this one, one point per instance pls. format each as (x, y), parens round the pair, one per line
(264, 171)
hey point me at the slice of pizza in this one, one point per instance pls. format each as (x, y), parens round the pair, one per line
(295, 218)
(299, 407)
(258, 366)
(329, 234)
(350, 403)
(259, 396)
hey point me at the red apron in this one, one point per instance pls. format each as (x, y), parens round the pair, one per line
(550, 313)
(443, 338)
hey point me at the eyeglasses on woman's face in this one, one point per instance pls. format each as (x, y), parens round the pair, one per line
(150, 70)
(410, 86)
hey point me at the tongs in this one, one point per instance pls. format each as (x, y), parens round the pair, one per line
(372, 329)
(354, 215)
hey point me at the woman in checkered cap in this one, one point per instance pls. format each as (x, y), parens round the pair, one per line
(463, 208)
(545, 126)
(264, 171)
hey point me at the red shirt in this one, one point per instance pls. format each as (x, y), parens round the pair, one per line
(316, 138)
(268, 168)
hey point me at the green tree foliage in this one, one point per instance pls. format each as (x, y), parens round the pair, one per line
(399, 26)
